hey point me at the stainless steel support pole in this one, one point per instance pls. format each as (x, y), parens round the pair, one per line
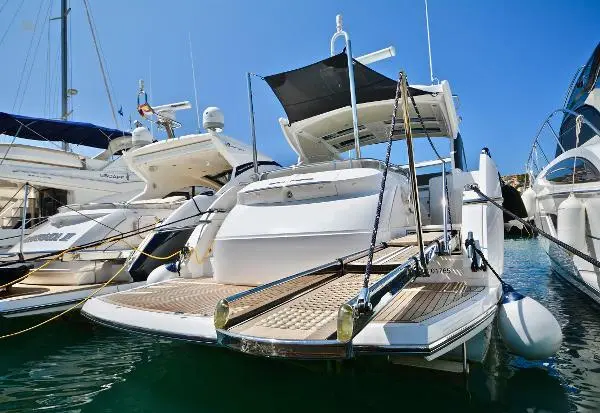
(353, 98)
(445, 208)
(252, 127)
(413, 171)
(339, 32)
(23, 218)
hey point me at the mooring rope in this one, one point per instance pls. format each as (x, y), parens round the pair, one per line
(536, 230)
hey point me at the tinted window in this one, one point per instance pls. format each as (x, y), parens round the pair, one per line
(586, 80)
(591, 71)
(562, 172)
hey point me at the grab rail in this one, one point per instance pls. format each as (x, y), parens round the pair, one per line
(532, 168)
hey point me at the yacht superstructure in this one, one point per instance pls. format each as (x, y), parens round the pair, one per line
(57, 177)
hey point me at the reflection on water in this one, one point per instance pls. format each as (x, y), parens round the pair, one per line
(72, 365)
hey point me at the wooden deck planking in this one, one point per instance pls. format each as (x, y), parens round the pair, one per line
(411, 239)
(393, 307)
(21, 290)
(420, 301)
(196, 296)
(261, 298)
(384, 262)
(381, 256)
(310, 316)
(433, 304)
(472, 291)
(423, 301)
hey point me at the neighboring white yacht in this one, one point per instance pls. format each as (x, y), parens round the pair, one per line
(565, 193)
(279, 273)
(59, 177)
(168, 169)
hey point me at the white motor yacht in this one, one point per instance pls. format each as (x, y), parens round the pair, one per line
(56, 177)
(100, 236)
(565, 192)
(281, 273)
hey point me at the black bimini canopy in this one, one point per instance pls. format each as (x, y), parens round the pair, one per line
(40, 129)
(324, 86)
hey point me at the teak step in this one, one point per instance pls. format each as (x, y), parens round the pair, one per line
(411, 239)
(420, 301)
(384, 260)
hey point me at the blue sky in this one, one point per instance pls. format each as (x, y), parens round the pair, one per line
(510, 62)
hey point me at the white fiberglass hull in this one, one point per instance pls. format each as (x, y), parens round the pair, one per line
(564, 266)
(50, 299)
(571, 269)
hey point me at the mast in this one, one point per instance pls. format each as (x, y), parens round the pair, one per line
(64, 11)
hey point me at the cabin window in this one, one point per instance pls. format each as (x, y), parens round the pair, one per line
(568, 139)
(562, 172)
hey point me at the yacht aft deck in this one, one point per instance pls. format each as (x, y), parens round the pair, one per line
(30, 299)
(296, 316)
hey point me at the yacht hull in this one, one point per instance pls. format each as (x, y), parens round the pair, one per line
(563, 265)
(29, 299)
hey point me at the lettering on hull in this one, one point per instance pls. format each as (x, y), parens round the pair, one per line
(50, 236)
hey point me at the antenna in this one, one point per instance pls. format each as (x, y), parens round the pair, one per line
(194, 79)
(149, 89)
(429, 43)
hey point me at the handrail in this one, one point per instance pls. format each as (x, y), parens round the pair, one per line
(536, 142)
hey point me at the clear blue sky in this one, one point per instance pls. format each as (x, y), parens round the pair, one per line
(510, 62)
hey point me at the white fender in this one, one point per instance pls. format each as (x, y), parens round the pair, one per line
(527, 328)
(528, 198)
(201, 239)
(163, 273)
(570, 226)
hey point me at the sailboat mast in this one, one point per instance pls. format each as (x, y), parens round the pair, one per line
(64, 11)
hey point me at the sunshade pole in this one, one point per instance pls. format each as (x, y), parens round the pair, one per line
(252, 127)
(338, 33)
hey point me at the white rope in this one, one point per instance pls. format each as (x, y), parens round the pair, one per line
(578, 124)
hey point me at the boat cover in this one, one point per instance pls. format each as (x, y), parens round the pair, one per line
(324, 86)
(41, 129)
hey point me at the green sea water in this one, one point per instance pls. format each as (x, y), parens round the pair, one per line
(72, 365)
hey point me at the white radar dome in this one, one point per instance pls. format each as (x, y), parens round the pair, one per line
(213, 119)
(141, 136)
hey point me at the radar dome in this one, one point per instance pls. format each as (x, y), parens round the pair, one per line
(213, 119)
(141, 136)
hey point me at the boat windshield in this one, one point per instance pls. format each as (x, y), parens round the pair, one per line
(587, 81)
